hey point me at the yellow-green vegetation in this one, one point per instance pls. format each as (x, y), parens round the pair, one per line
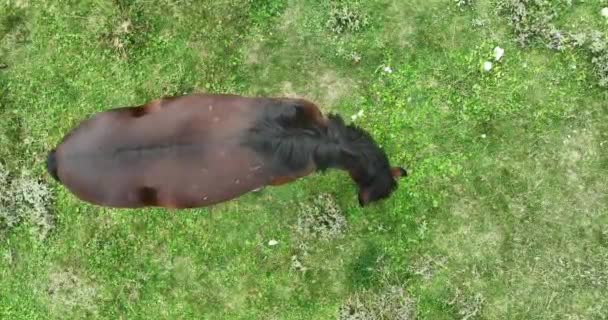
(504, 214)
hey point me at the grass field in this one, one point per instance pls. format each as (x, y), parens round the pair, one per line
(504, 214)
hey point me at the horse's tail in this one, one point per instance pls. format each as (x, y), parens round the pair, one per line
(51, 165)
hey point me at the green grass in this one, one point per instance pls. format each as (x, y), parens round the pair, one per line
(504, 214)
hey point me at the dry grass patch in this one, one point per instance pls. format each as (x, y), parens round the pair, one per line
(346, 16)
(325, 88)
(393, 303)
(24, 199)
(426, 266)
(322, 219)
(71, 293)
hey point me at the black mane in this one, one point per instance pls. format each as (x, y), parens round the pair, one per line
(285, 135)
(291, 141)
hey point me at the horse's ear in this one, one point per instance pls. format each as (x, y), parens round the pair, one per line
(398, 172)
(364, 197)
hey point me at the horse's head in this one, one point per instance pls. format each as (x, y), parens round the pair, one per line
(366, 162)
(379, 186)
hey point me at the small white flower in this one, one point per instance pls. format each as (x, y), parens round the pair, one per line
(605, 12)
(273, 242)
(498, 53)
(483, 136)
(357, 115)
(487, 66)
(388, 69)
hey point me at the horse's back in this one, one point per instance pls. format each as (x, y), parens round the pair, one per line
(178, 152)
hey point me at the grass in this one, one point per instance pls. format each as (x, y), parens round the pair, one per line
(503, 216)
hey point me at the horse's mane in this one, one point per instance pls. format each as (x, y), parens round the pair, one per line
(284, 136)
(291, 141)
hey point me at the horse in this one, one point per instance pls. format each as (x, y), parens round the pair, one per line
(198, 150)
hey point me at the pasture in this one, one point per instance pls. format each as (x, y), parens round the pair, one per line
(504, 214)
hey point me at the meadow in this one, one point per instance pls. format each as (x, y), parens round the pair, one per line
(504, 214)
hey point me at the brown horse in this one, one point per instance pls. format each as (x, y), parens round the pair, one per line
(202, 149)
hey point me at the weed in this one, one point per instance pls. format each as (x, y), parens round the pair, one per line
(24, 200)
(598, 45)
(468, 306)
(71, 293)
(464, 3)
(557, 40)
(296, 263)
(478, 23)
(578, 39)
(426, 266)
(322, 219)
(346, 17)
(529, 18)
(129, 33)
(393, 303)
